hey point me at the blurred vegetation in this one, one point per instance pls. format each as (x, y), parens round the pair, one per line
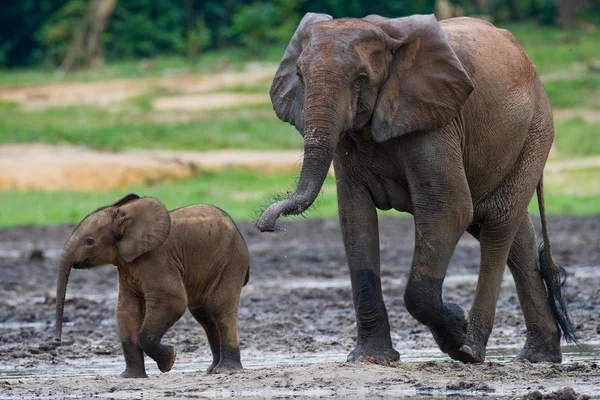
(39, 32)
(244, 194)
(226, 35)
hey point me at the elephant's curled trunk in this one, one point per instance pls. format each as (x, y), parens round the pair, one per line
(317, 159)
(61, 290)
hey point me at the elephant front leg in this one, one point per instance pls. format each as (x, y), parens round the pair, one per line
(162, 311)
(129, 319)
(436, 238)
(358, 219)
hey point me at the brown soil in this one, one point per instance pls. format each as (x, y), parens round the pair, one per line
(209, 101)
(103, 93)
(296, 324)
(48, 167)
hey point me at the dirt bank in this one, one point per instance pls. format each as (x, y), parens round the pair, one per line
(296, 324)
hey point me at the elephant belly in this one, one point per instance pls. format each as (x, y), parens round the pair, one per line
(389, 194)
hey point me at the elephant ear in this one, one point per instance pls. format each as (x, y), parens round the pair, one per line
(426, 85)
(124, 200)
(287, 93)
(143, 225)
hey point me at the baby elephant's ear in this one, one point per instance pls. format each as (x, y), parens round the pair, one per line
(142, 225)
(124, 200)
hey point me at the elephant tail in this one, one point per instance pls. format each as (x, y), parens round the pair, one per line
(554, 276)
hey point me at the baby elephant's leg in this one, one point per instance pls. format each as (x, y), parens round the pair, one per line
(228, 342)
(162, 311)
(129, 319)
(212, 333)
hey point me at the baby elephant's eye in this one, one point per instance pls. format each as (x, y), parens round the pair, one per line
(89, 241)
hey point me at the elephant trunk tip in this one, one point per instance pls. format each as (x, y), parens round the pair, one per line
(58, 339)
(268, 220)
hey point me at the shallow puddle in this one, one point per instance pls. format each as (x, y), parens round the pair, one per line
(254, 359)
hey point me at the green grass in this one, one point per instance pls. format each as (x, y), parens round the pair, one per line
(554, 49)
(577, 138)
(242, 194)
(572, 93)
(252, 127)
(216, 61)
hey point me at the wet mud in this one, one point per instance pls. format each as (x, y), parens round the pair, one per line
(296, 324)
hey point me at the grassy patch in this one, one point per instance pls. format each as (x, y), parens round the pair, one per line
(242, 194)
(554, 49)
(254, 127)
(210, 62)
(577, 138)
(572, 93)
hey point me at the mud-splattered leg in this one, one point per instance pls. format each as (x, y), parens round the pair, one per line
(543, 334)
(360, 229)
(212, 334)
(162, 311)
(229, 359)
(129, 319)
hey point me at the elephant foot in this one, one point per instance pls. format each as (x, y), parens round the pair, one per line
(167, 357)
(473, 348)
(451, 334)
(374, 354)
(226, 367)
(133, 373)
(466, 354)
(212, 367)
(537, 351)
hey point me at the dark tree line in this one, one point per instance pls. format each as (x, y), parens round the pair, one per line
(84, 32)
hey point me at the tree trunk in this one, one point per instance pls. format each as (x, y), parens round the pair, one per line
(86, 48)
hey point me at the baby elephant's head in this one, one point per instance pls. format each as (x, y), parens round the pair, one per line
(119, 232)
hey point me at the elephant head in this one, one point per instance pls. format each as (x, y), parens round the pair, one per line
(116, 234)
(393, 76)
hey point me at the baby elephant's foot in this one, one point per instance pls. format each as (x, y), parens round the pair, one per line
(452, 332)
(212, 366)
(226, 366)
(133, 373)
(374, 353)
(166, 357)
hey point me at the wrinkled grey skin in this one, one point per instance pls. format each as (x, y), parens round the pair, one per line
(449, 122)
(193, 257)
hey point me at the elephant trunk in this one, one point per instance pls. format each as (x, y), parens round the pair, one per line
(61, 290)
(322, 129)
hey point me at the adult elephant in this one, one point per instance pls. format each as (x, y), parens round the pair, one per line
(449, 122)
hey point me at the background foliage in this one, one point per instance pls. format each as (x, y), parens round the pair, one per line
(34, 32)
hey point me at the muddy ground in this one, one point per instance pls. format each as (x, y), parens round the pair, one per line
(296, 324)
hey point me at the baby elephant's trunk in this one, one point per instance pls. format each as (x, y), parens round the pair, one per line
(61, 291)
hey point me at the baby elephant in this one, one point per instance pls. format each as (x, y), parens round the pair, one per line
(192, 256)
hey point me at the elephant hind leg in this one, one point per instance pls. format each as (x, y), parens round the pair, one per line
(495, 240)
(230, 359)
(543, 335)
(212, 334)
(217, 311)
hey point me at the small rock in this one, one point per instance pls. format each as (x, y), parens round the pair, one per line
(535, 395)
(37, 255)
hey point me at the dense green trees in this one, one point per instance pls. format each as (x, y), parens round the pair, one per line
(40, 31)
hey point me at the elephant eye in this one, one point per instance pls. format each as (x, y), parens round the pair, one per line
(299, 74)
(361, 80)
(90, 241)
